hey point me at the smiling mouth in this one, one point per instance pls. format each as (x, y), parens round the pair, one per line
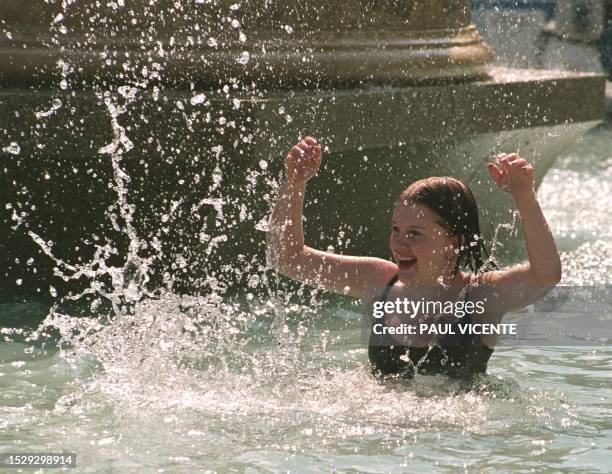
(406, 263)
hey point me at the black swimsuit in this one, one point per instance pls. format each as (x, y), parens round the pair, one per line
(464, 356)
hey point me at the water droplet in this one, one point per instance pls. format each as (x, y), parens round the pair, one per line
(244, 57)
(253, 281)
(242, 37)
(288, 29)
(262, 225)
(217, 176)
(212, 42)
(19, 281)
(128, 92)
(263, 164)
(64, 84)
(198, 99)
(281, 110)
(235, 23)
(53, 292)
(234, 6)
(13, 148)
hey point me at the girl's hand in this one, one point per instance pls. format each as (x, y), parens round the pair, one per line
(303, 160)
(512, 173)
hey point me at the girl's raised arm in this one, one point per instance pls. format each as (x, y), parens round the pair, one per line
(285, 239)
(519, 286)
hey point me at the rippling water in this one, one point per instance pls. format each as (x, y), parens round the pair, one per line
(185, 384)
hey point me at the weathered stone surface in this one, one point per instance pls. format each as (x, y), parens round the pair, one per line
(379, 139)
(289, 44)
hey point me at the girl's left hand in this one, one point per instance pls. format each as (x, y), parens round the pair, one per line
(512, 173)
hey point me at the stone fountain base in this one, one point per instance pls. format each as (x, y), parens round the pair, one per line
(202, 171)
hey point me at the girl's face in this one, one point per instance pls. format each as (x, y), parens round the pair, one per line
(422, 248)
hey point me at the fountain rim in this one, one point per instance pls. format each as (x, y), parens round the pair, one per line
(321, 58)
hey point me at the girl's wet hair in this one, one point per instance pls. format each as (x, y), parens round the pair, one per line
(455, 204)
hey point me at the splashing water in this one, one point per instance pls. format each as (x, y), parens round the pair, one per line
(275, 383)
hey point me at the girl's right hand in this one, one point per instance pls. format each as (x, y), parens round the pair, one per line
(303, 160)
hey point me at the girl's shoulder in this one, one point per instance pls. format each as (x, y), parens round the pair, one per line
(379, 281)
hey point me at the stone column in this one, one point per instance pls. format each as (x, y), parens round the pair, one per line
(280, 44)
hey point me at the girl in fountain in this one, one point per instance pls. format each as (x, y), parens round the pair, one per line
(438, 255)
